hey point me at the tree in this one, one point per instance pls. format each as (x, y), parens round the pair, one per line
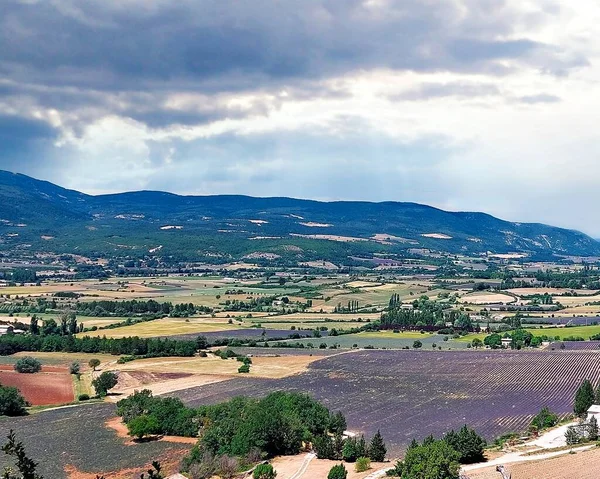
(349, 450)
(494, 341)
(28, 365)
(467, 443)
(515, 321)
(103, 383)
(544, 419)
(377, 449)
(94, 363)
(323, 446)
(33, 326)
(143, 425)
(26, 466)
(436, 460)
(477, 343)
(572, 436)
(264, 471)
(11, 402)
(584, 398)
(361, 447)
(597, 395)
(592, 429)
(75, 368)
(337, 472)
(417, 344)
(337, 423)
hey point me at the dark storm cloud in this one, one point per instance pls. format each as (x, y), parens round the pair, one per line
(22, 142)
(104, 46)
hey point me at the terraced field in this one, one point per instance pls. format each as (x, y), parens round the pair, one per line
(410, 394)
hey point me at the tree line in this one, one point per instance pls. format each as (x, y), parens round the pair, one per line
(440, 458)
(132, 346)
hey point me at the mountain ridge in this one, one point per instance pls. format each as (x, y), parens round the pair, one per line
(231, 226)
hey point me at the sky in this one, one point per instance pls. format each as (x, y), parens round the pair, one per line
(477, 105)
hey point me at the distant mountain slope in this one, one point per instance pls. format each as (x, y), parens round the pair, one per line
(37, 214)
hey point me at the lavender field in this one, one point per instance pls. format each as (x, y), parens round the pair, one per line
(410, 394)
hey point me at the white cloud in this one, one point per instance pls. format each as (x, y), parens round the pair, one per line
(512, 134)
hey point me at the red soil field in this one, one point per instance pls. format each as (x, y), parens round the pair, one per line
(53, 385)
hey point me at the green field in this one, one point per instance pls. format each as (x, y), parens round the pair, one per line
(561, 333)
(385, 339)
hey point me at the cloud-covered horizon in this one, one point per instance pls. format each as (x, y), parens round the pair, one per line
(481, 105)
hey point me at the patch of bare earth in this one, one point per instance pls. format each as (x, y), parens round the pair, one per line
(166, 375)
(169, 462)
(288, 466)
(117, 425)
(582, 465)
(160, 382)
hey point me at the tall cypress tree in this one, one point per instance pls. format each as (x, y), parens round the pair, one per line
(584, 398)
(377, 449)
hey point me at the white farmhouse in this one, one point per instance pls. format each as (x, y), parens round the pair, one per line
(594, 411)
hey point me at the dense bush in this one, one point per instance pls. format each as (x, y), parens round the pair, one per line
(11, 402)
(337, 472)
(544, 419)
(264, 471)
(83, 397)
(28, 365)
(362, 464)
(432, 459)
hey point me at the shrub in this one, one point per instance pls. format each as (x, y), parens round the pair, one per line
(11, 402)
(74, 368)
(544, 419)
(264, 471)
(337, 472)
(362, 464)
(417, 344)
(126, 359)
(572, 436)
(83, 397)
(244, 368)
(28, 365)
(228, 467)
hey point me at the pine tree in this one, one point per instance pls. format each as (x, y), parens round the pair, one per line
(377, 449)
(337, 423)
(349, 450)
(361, 447)
(592, 429)
(572, 437)
(584, 398)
